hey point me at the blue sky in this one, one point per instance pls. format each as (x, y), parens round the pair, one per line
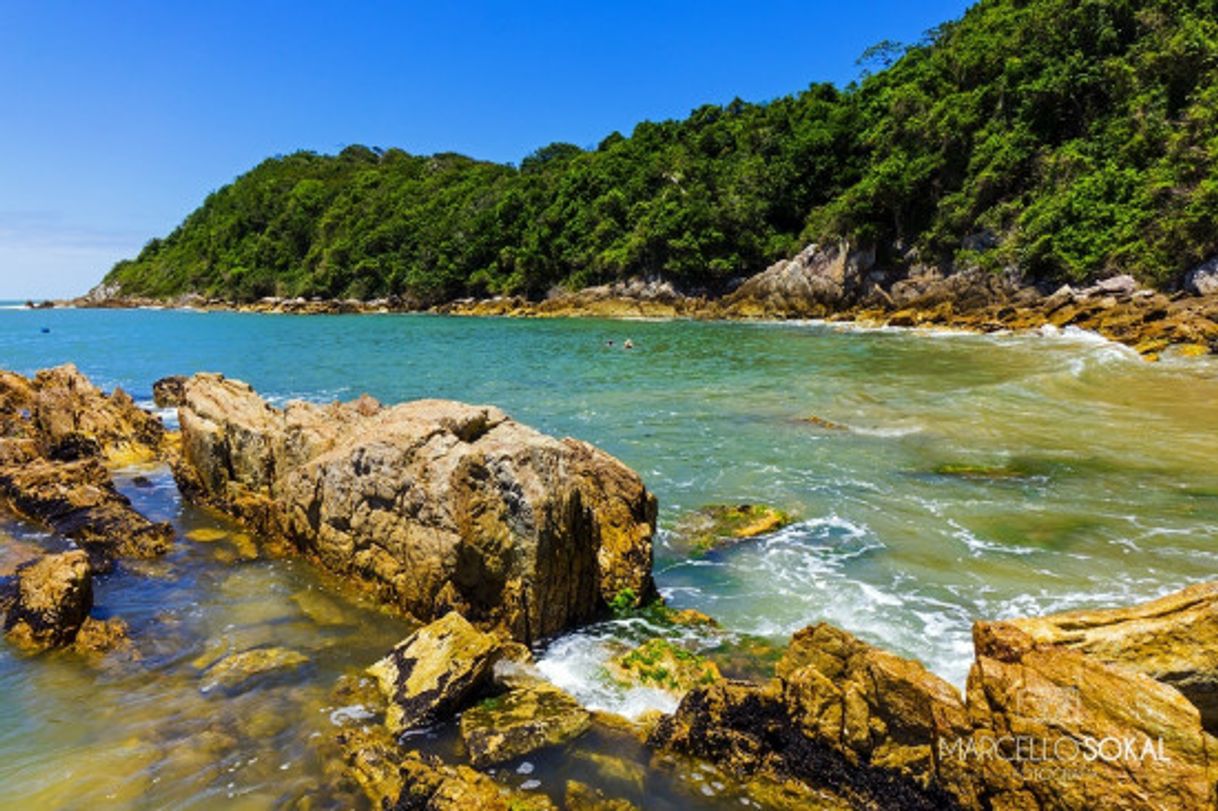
(116, 119)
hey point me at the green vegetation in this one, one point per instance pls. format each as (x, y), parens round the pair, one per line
(1068, 138)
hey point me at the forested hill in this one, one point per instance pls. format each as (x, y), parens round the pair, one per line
(1070, 138)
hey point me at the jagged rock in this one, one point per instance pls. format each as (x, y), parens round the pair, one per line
(78, 500)
(238, 670)
(1203, 279)
(1097, 730)
(664, 665)
(57, 434)
(1173, 640)
(435, 671)
(51, 599)
(441, 506)
(68, 407)
(505, 727)
(817, 281)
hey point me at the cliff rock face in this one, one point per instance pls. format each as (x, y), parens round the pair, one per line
(1173, 640)
(438, 505)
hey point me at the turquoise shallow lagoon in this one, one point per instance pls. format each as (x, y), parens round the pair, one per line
(978, 476)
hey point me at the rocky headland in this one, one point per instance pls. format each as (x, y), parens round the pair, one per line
(835, 282)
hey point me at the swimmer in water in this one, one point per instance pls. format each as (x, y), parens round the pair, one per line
(609, 342)
(628, 345)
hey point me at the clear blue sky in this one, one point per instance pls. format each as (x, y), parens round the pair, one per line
(116, 119)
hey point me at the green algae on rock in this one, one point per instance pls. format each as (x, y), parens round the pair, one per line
(664, 665)
(719, 525)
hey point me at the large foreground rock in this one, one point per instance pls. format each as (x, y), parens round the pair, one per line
(438, 505)
(1044, 726)
(1056, 729)
(1173, 640)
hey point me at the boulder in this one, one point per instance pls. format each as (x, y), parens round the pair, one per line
(1203, 279)
(50, 600)
(583, 797)
(435, 672)
(438, 505)
(1054, 728)
(819, 280)
(169, 392)
(1173, 640)
(505, 727)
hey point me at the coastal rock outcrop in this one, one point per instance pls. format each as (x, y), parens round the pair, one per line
(49, 599)
(1173, 639)
(818, 281)
(1054, 728)
(1044, 726)
(59, 434)
(437, 505)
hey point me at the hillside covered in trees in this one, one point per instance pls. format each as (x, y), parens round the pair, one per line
(1069, 138)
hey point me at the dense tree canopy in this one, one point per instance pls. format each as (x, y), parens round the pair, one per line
(1070, 138)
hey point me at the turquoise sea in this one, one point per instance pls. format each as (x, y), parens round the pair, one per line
(976, 477)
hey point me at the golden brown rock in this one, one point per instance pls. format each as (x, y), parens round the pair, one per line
(51, 598)
(1173, 639)
(505, 727)
(435, 672)
(438, 505)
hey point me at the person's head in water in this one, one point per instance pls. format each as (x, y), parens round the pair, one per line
(628, 345)
(609, 342)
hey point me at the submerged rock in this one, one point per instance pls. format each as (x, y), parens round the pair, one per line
(505, 727)
(97, 638)
(438, 505)
(718, 525)
(50, 600)
(236, 671)
(435, 671)
(582, 797)
(1173, 640)
(394, 779)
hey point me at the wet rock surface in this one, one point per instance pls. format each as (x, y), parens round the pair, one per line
(522, 721)
(437, 505)
(720, 525)
(435, 672)
(49, 600)
(59, 435)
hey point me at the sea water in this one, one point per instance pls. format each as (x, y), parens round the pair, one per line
(972, 477)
